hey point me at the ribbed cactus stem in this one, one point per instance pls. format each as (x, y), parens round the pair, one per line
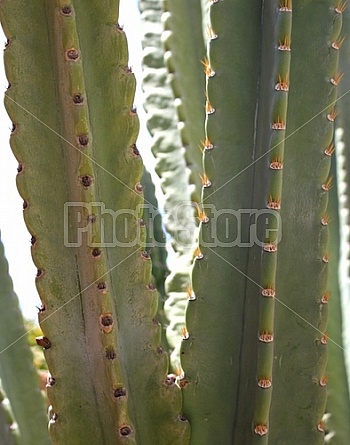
(303, 295)
(216, 323)
(261, 297)
(18, 375)
(273, 102)
(80, 179)
(8, 435)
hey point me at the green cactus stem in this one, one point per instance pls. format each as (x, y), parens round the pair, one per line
(18, 375)
(338, 405)
(74, 135)
(260, 312)
(8, 434)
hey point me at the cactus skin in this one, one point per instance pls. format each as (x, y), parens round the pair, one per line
(18, 375)
(80, 132)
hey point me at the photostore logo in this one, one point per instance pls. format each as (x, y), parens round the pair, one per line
(97, 226)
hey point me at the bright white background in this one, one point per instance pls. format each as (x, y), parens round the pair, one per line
(13, 231)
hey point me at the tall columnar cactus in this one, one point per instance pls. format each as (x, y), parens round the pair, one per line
(7, 435)
(250, 311)
(254, 341)
(74, 136)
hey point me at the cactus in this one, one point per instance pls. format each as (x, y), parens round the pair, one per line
(171, 167)
(18, 375)
(93, 317)
(7, 434)
(251, 364)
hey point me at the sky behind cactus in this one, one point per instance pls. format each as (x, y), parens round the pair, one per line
(13, 231)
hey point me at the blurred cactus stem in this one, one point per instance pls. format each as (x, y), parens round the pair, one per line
(19, 377)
